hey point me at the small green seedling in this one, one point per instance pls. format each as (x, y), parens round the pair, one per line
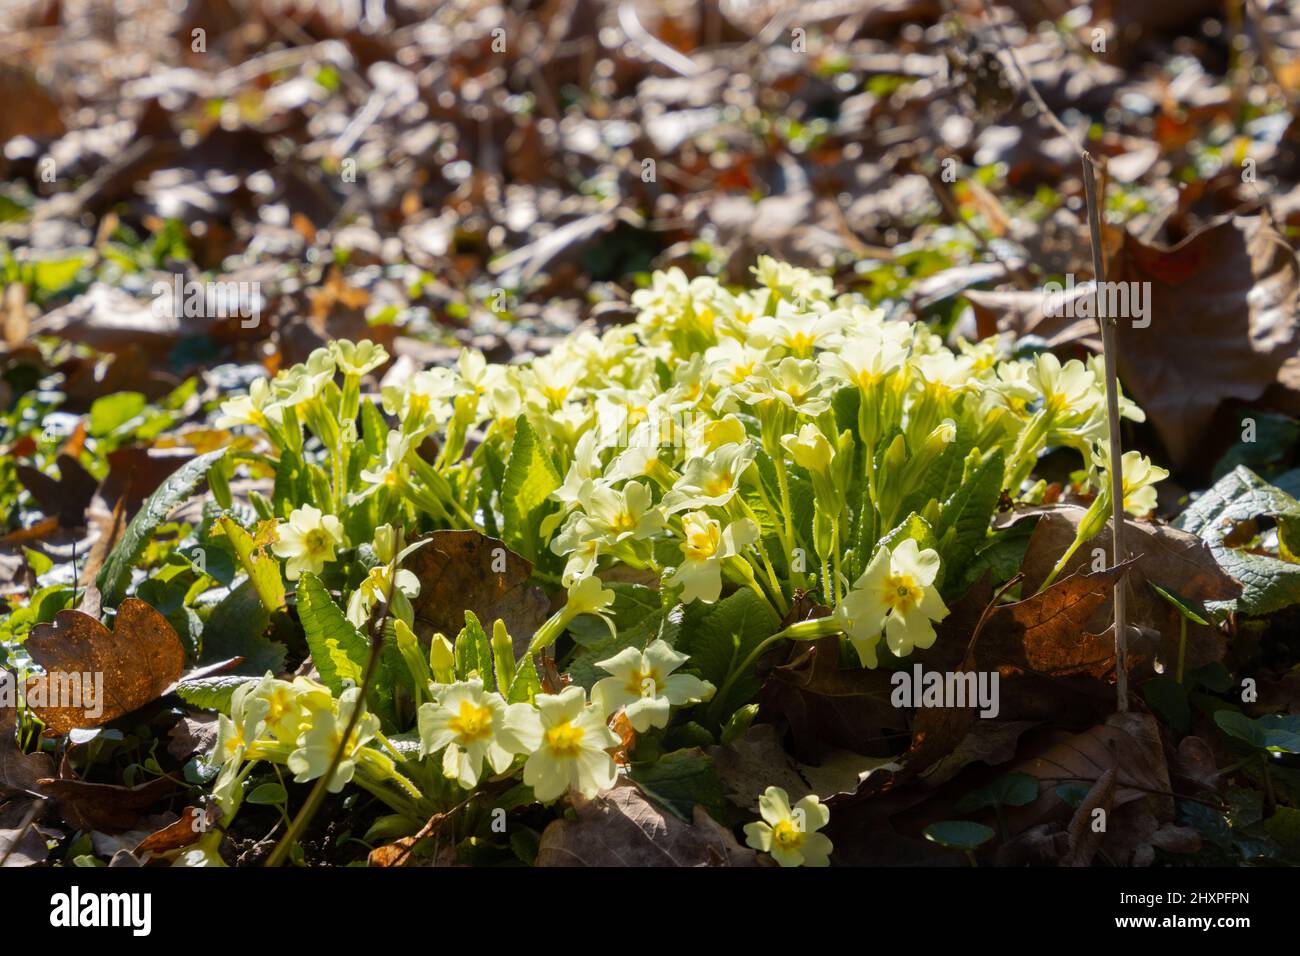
(1188, 609)
(961, 835)
(1009, 790)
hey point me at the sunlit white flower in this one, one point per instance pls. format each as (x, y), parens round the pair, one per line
(705, 544)
(470, 725)
(324, 737)
(895, 593)
(572, 749)
(789, 833)
(307, 540)
(644, 685)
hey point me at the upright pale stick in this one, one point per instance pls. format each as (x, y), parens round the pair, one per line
(1109, 353)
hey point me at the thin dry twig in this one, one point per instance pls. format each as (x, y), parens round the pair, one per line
(1109, 355)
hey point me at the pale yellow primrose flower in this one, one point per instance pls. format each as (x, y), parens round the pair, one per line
(283, 711)
(1067, 389)
(308, 540)
(711, 479)
(896, 592)
(323, 738)
(473, 725)
(619, 515)
(357, 358)
(809, 448)
(1140, 477)
(245, 724)
(375, 586)
(704, 547)
(246, 721)
(644, 685)
(571, 753)
(259, 407)
(789, 833)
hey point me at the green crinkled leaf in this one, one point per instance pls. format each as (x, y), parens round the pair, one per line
(916, 528)
(526, 487)
(719, 636)
(1268, 583)
(636, 608)
(237, 628)
(526, 684)
(963, 523)
(637, 624)
(680, 780)
(260, 566)
(115, 575)
(474, 653)
(339, 651)
(212, 693)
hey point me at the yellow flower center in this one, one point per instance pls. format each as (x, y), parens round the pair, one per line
(701, 542)
(336, 741)
(471, 723)
(623, 521)
(279, 705)
(564, 739)
(902, 593)
(234, 743)
(317, 541)
(718, 486)
(801, 342)
(643, 683)
(787, 835)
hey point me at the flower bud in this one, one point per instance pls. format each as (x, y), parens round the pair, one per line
(442, 659)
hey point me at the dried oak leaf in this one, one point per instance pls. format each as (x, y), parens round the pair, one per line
(830, 708)
(463, 571)
(1223, 306)
(623, 828)
(1176, 560)
(67, 496)
(139, 659)
(756, 760)
(105, 807)
(1038, 642)
(19, 772)
(1128, 743)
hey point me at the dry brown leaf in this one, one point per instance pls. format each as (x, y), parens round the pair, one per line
(67, 496)
(1085, 837)
(463, 571)
(1128, 743)
(139, 660)
(756, 760)
(1223, 307)
(1175, 560)
(19, 772)
(106, 807)
(623, 828)
(1037, 642)
(192, 825)
(830, 708)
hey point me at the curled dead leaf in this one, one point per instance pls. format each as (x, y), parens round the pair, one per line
(623, 828)
(463, 571)
(133, 665)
